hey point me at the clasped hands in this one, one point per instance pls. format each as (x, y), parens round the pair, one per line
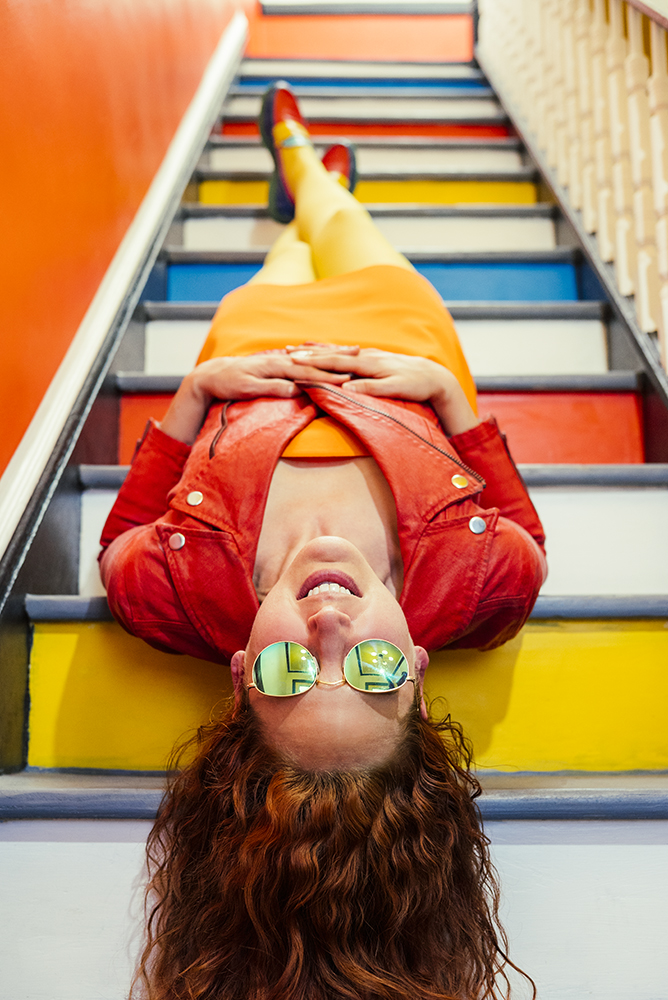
(278, 373)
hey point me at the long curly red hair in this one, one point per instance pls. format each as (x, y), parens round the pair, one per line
(269, 882)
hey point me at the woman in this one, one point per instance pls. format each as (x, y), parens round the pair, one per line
(317, 515)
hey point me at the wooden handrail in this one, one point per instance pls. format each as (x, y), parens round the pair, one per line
(657, 11)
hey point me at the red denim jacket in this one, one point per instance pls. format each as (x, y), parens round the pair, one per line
(463, 586)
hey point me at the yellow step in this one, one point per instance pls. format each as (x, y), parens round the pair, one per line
(434, 192)
(561, 696)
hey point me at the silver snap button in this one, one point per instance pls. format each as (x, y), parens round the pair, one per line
(177, 540)
(195, 498)
(459, 481)
(477, 525)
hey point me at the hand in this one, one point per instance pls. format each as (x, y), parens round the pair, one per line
(398, 376)
(236, 378)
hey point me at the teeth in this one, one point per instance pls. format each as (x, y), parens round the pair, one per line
(332, 588)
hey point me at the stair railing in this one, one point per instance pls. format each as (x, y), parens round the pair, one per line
(588, 80)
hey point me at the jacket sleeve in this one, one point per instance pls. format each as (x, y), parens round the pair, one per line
(156, 468)
(484, 449)
(517, 568)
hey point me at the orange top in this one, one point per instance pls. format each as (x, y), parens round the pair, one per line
(381, 306)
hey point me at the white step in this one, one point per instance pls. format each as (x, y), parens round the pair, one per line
(600, 541)
(317, 69)
(583, 903)
(382, 160)
(377, 109)
(492, 346)
(448, 234)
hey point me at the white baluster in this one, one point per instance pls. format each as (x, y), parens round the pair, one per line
(622, 184)
(605, 214)
(636, 66)
(658, 103)
(572, 154)
(562, 48)
(583, 27)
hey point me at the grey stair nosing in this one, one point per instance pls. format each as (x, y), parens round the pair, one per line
(558, 255)
(615, 381)
(107, 477)
(255, 62)
(517, 175)
(538, 804)
(366, 89)
(399, 119)
(382, 95)
(379, 142)
(595, 310)
(411, 7)
(196, 210)
(73, 607)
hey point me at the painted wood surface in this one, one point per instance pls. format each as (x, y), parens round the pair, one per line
(433, 233)
(583, 903)
(65, 68)
(428, 38)
(492, 347)
(348, 109)
(380, 129)
(569, 427)
(372, 160)
(435, 192)
(551, 699)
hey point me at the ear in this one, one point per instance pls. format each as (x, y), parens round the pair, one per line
(421, 664)
(237, 669)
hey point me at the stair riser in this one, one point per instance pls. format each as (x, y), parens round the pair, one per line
(436, 192)
(492, 347)
(577, 428)
(551, 699)
(349, 130)
(376, 109)
(387, 160)
(423, 233)
(600, 541)
(454, 282)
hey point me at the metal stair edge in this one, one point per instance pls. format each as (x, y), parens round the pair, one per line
(510, 804)
(577, 607)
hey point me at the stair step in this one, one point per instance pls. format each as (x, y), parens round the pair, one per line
(483, 189)
(519, 276)
(580, 427)
(356, 71)
(43, 795)
(435, 234)
(442, 88)
(253, 162)
(460, 311)
(579, 607)
(321, 7)
(582, 515)
(380, 109)
(551, 699)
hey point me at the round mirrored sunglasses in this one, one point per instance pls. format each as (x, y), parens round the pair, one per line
(374, 666)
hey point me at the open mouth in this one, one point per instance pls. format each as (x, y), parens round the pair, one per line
(328, 581)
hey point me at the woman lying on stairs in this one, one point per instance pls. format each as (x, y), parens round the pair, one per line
(319, 506)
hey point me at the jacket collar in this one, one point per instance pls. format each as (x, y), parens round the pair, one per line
(234, 476)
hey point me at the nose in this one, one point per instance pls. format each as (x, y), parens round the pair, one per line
(329, 639)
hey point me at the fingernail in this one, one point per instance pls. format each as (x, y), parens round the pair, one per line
(302, 354)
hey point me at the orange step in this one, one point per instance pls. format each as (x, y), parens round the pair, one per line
(398, 38)
(464, 131)
(550, 427)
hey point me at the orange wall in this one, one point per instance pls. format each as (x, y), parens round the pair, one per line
(91, 94)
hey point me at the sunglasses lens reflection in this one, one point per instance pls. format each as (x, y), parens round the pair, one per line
(284, 669)
(375, 665)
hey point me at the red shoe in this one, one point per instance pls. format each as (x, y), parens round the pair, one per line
(340, 159)
(282, 126)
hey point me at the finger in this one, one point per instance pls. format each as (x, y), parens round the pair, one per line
(358, 365)
(276, 387)
(319, 350)
(372, 386)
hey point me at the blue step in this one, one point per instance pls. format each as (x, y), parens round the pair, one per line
(366, 88)
(501, 282)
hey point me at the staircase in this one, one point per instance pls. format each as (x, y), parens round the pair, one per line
(567, 720)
